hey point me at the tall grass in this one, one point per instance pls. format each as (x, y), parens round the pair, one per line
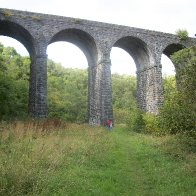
(37, 156)
(54, 158)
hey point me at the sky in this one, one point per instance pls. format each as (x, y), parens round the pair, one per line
(166, 16)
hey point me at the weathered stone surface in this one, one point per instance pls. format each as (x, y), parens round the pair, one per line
(36, 31)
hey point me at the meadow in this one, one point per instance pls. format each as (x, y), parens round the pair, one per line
(55, 158)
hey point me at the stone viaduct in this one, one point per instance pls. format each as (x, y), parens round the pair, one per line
(36, 31)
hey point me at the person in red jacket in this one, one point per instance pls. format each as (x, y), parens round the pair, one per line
(109, 124)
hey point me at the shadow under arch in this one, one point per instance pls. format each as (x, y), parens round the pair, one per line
(81, 39)
(137, 49)
(19, 33)
(172, 48)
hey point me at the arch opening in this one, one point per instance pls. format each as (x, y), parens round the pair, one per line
(81, 39)
(125, 87)
(19, 33)
(14, 82)
(143, 87)
(169, 70)
(171, 49)
(123, 84)
(122, 62)
(168, 77)
(63, 53)
(137, 49)
(74, 101)
(167, 61)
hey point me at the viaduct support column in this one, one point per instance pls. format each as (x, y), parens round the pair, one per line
(150, 89)
(106, 90)
(100, 104)
(94, 110)
(38, 86)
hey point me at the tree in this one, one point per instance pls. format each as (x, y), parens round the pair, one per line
(178, 113)
(14, 74)
(67, 90)
(67, 93)
(123, 96)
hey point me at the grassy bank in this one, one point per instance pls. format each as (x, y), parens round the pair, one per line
(53, 158)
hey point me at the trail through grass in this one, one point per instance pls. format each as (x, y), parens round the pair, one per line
(83, 160)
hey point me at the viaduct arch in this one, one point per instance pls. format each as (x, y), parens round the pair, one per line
(36, 31)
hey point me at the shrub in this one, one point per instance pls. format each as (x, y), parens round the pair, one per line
(120, 115)
(178, 113)
(176, 116)
(7, 14)
(182, 34)
(136, 121)
(36, 18)
(150, 123)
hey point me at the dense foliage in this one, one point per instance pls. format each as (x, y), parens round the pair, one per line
(67, 90)
(178, 112)
(14, 74)
(68, 94)
(124, 96)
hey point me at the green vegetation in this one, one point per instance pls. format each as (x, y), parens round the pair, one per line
(54, 158)
(67, 93)
(182, 34)
(7, 14)
(123, 97)
(178, 112)
(67, 90)
(14, 74)
(36, 18)
(77, 20)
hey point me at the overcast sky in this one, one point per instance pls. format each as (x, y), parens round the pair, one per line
(165, 16)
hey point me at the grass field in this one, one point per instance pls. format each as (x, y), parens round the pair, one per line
(53, 158)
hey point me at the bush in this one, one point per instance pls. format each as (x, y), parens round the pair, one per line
(120, 115)
(182, 34)
(176, 116)
(135, 121)
(150, 123)
(178, 113)
(140, 121)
